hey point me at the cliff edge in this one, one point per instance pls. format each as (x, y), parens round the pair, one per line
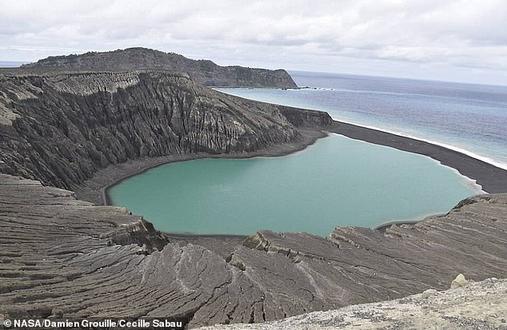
(204, 72)
(62, 128)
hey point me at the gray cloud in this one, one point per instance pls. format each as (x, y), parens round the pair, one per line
(424, 38)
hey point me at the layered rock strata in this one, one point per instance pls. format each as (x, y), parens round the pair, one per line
(62, 128)
(202, 71)
(65, 258)
(479, 305)
(61, 257)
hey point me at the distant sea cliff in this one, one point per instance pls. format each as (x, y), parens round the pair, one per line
(204, 72)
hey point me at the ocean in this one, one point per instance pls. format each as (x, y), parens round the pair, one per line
(469, 118)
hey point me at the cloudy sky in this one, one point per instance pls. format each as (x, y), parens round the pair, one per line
(456, 40)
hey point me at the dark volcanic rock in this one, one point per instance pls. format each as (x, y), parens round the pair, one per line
(203, 71)
(66, 258)
(61, 128)
(306, 118)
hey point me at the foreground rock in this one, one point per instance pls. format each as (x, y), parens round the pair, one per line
(481, 305)
(62, 257)
(202, 71)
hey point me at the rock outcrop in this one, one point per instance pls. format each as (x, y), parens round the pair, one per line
(62, 257)
(61, 128)
(202, 71)
(66, 258)
(481, 305)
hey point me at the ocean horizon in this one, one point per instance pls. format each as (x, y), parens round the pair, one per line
(466, 117)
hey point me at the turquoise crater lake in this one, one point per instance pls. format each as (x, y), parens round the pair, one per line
(335, 182)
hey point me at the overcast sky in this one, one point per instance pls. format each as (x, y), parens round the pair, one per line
(456, 40)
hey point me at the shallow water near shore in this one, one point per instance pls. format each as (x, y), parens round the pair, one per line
(335, 182)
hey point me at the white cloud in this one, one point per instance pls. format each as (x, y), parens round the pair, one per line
(365, 35)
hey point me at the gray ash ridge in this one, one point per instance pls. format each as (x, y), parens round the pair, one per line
(64, 257)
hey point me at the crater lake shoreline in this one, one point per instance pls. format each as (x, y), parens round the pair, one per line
(95, 190)
(490, 178)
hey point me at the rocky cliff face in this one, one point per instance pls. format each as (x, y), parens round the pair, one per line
(202, 71)
(62, 128)
(65, 258)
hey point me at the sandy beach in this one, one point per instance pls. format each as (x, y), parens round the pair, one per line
(492, 178)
